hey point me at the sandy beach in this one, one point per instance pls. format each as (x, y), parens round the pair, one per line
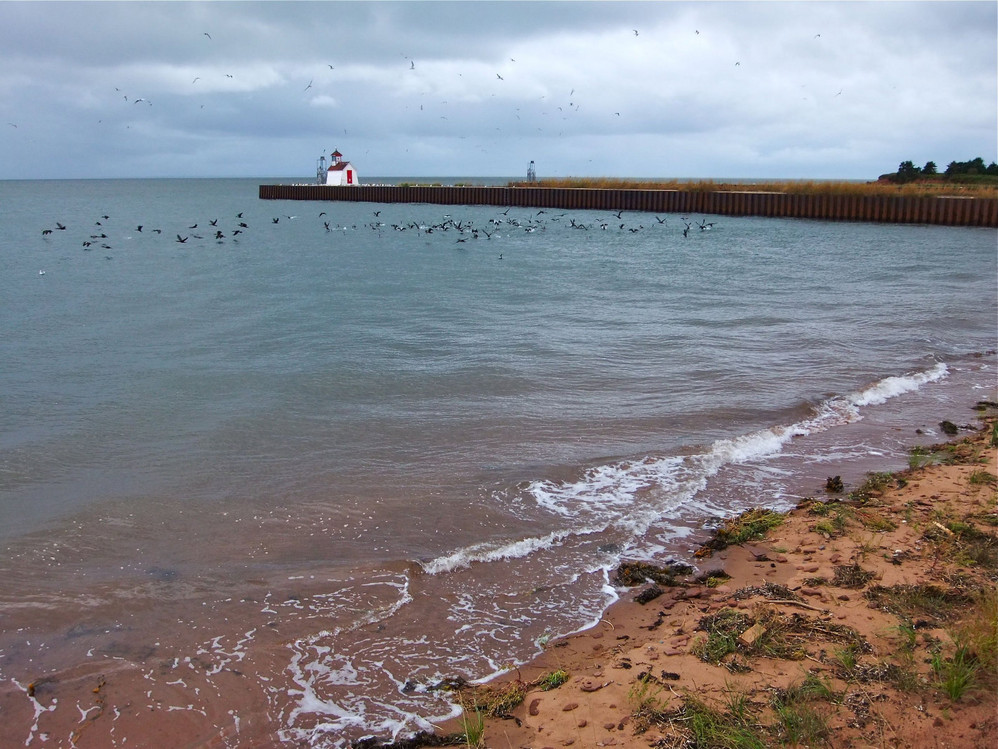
(865, 617)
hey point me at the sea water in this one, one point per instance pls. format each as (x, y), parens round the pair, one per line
(348, 450)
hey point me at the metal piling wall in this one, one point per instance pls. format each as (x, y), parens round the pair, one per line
(949, 211)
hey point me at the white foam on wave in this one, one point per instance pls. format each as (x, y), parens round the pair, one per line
(334, 694)
(609, 485)
(833, 412)
(891, 387)
(325, 701)
(631, 495)
(493, 552)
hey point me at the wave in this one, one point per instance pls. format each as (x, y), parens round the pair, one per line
(892, 387)
(631, 495)
(492, 552)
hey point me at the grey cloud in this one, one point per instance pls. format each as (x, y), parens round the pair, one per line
(414, 87)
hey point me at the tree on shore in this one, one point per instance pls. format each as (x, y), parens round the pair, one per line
(974, 166)
(908, 172)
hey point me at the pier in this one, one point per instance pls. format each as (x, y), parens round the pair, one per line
(948, 211)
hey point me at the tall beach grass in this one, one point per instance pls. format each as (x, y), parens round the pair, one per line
(796, 187)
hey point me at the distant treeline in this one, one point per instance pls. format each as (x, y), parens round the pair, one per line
(957, 171)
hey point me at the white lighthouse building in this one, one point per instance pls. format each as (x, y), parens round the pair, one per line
(341, 172)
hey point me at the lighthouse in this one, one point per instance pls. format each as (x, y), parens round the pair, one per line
(341, 172)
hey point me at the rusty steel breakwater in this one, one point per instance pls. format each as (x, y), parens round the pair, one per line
(949, 211)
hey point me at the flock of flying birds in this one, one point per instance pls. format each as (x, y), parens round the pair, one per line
(564, 110)
(465, 229)
(99, 238)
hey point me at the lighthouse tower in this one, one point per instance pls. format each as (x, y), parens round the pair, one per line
(341, 172)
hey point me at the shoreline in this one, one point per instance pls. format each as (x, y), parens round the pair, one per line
(867, 614)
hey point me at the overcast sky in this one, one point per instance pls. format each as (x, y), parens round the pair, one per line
(842, 90)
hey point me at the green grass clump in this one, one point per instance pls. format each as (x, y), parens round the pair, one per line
(982, 477)
(713, 578)
(798, 721)
(780, 639)
(847, 657)
(813, 687)
(919, 457)
(956, 675)
(829, 528)
(978, 633)
(499, 701)
(874, 521)
(473, 728)
(647, 704)
(967, 545)
(552, 680)
(708, 728)
(908, 636)
(722, 631)
(751, 525)
(874, 485)
(918, 601)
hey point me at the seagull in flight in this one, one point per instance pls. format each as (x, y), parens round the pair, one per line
(500, 77)
(207, 35)
(308, 86)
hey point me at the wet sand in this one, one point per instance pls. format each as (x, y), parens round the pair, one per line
(866, 618)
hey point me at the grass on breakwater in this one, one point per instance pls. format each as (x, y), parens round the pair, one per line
(937, 188)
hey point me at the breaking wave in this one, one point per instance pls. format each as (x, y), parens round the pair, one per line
(630, 495)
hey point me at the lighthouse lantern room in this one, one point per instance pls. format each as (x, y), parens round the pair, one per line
(341, 172)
